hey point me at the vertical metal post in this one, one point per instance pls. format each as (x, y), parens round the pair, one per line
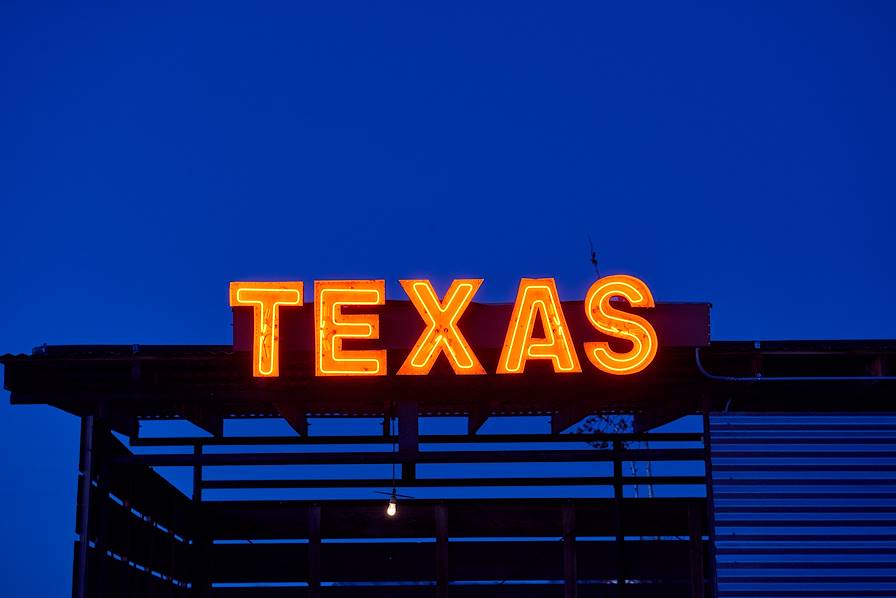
(388, 414)
(570, 575)
(441, 551)
(172, 557)
(710, 497)
(200, 545)
(87, 423)
(617, 502)
(102, 436)
(408, 439)
(695, 545)
(197, 474)
(314, 535)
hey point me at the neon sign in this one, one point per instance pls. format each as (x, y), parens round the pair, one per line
(442, 334)
(266, 299)
(332, 327)
(537, 330)
(537, 297)
(620, 324)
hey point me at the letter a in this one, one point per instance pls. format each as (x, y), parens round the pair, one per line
(537, 297)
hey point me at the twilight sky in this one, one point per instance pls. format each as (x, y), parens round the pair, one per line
(742, 155)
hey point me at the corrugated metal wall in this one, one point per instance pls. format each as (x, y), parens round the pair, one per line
(805, 504)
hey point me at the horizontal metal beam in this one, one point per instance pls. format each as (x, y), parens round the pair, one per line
(801, 508)
(746, 537)
(799, 467)
(363, 518)
(451, 482)
(869, 493)
(859, 425)
(836, 549)
(424, 439)
(820, 523)
(796, 481)
(831, 565)
(808, 440)
(383, 457)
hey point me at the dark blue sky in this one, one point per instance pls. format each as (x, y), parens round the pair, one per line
(742, 155)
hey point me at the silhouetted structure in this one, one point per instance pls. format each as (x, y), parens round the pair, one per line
(140, 536)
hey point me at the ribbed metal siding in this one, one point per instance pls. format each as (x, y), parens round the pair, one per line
(805, 505)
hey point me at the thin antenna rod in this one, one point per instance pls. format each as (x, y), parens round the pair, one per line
(593, 257)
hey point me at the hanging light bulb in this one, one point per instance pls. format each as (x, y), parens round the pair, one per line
(392, 509)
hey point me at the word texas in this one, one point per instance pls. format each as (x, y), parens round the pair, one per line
(536, 301)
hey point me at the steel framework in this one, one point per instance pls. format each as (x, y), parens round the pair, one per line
(543, 532)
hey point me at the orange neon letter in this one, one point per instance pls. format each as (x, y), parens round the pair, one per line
(441, 334)
(620, 324)
(333, 327)
(537, 296)
(266, 298)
